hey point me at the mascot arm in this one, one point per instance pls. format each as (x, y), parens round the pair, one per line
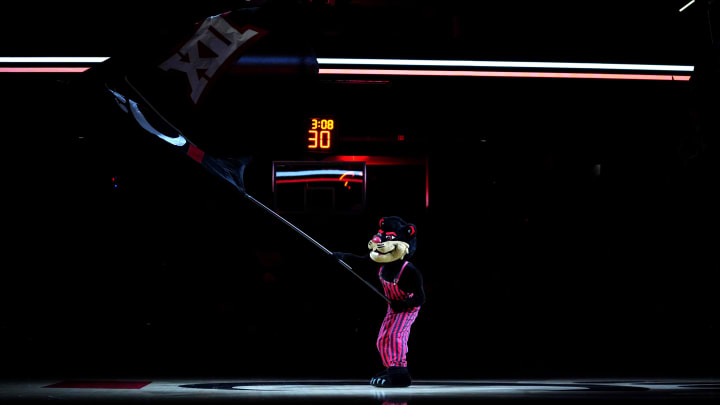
(412, 282)
(350, 257)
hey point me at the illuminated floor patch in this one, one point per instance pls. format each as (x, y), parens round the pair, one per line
(359, 391)
(345, 388)
(108, 385)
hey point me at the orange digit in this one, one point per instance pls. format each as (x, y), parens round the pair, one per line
(324, 139)
(313, 139)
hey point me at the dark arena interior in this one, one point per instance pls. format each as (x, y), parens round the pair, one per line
(557, 160)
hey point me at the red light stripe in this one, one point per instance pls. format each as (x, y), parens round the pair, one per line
(472, 73)
(316, 179)
(407, 72)
(376, 160)
(48, 69)
(427, 182)
(347, 158)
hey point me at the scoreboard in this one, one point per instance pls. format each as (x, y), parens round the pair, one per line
(336, 172)
(320, 134)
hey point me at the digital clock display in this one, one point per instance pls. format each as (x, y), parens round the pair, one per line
(320, 134)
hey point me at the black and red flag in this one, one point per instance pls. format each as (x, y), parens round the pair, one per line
(167, 91)
(224, 73)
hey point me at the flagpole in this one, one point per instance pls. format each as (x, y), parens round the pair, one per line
(204, 157)
(313, 241)
(199, 156)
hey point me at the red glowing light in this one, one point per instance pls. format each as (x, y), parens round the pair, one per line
(474, 73)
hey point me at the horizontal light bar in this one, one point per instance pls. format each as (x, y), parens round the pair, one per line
(318, 179)
(473, 73)
(501, 64)
(401, 62)
(395, 72)
(407, 63)
(50, 69)
(52, 59)
(318, 172)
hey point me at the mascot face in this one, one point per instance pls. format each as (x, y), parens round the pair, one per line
(394, 240)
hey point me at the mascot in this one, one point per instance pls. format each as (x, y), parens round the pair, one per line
(402, 284)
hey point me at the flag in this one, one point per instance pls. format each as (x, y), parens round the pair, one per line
(164, 97)
(150, 120)
(165, 87)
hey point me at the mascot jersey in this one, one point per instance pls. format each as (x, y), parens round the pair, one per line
(401, 313)
(402, 284)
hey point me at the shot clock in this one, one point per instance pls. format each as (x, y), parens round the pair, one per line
(320, 134)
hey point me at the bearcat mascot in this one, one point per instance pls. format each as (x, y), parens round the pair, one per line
(402, 283)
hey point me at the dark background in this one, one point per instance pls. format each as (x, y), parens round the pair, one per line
(534, 264)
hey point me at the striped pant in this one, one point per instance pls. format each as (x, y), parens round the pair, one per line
(393, 337)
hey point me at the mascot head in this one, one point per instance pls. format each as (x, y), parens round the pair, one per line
(395, 240)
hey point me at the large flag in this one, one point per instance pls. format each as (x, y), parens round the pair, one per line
(173, 92)
(165, 94)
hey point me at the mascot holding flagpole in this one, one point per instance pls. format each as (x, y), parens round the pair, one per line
(402, 284)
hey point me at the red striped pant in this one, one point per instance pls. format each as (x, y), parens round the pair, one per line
(393, 337)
